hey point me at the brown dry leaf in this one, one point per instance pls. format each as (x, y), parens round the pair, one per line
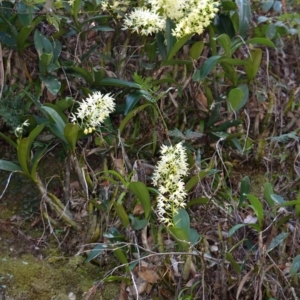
(148, 275)
(123, 294)
(138, 209)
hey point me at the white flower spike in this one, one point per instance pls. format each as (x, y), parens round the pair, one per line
(168, 177)
(93, 111)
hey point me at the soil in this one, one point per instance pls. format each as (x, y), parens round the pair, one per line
(33, 264)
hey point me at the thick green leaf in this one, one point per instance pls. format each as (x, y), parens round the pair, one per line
(245, 189)
(140, 190)
(244, 16)
(277, 199)
(52, 83)
(235, 228)
(96, 251)
(178, 45)
(8, 140)
(195, 179)
(225, 43)
(230, 73)
(170, 39)
(181, 236)
(234, 61)
(197, 201)
(194, 236)
(26, 31)
(261, 41)
(120, 255)
(9, 166)
(131, 101)
(234, 99)
(295, 267)
(83, 73)
(268, 191)
(254, 60)
(113, 235)
(277, 240)
(122, 214)
(271, 31)
(23, 149)
(196, 50)
(181, 220)
(42, 43)
(54, 117)
(224, 24)
(131, 115)
(119, 82)
(207, 67)
(233, 263)
(35, 161)
(137, 224)
(71, 135)
(64, 104)
(257, 207)
(58, 110)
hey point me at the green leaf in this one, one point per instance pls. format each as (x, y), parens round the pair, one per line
(271, 31)
(233, 263)
(224, 24)
(234, 99)
(207, 67)
(245, 189)
(194, 236)
(35, 161)
(197, 201)
(8, 140)
(181, 220)
(268, 191)
(52, 83)
(23, 149)
(196, 50)
(261, 41)
(137, 224)
(178, 45)
(254, 60)
(181, 236)
(119, 82)
(171, 40)
(230, 73)
(277, 199)
(277, 240)
(131, 115)
(54, 117)
(122, 214)
(234, 229)
(83, 73)
(9, 166)
(295, 267)
(57, 109)
(131, 101)
(140, 190)
(257, 207)
(225, 43)
(26, 31)
(64, 104)
(42, 44)
(96, 251)
(71, 135)
(119, 253)
(195, 179)
(244, 16)
(267, 5)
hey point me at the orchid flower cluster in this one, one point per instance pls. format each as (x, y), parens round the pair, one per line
(93, 111)
(190, 16)
(168, 177)
(20, 129)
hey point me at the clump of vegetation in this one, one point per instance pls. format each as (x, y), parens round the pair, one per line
(162, 108)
